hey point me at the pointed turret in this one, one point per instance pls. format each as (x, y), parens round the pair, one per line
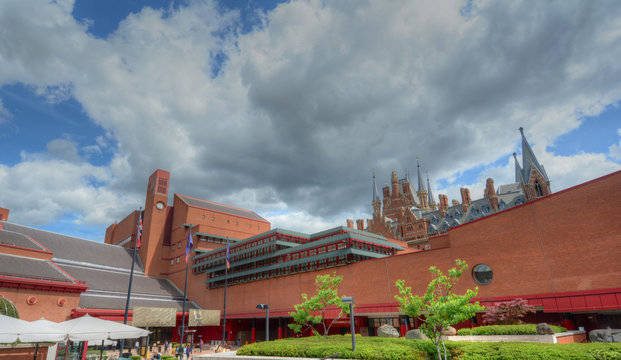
(518, 170)
(529, 160)
(422, 192)
(375, 193)
(430, 199)
(532, 176)
(421, 184)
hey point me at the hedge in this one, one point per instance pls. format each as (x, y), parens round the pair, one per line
(375, 348)
(522, 329)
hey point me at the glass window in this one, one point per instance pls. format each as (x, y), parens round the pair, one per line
(482, 274)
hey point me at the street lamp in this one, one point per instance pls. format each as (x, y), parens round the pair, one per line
(350, 300)
(266, 307)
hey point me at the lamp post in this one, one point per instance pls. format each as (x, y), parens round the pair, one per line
(267, 319)
(350, 300)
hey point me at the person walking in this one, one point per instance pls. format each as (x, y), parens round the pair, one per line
(200, 345)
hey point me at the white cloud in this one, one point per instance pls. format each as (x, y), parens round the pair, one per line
(614, 151)
(306, 104)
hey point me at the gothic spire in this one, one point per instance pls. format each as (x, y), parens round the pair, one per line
(518, 170)
(529, 160)
(421, 185)
(375, 193)
(430, 195)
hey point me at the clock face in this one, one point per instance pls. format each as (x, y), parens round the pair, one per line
(160, 205)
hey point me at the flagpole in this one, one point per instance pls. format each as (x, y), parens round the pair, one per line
(188, 246)
(226, 275)
(131, 276)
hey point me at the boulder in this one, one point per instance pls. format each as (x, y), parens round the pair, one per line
(605, 335)
(544, 329)
(449, 331)
(387, 331)
(415, 334)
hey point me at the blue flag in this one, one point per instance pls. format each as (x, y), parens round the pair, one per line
(228, 261)
(189, 245)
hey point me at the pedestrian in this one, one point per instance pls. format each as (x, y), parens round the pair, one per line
(166, 347)
(200, 344)
(188, 351)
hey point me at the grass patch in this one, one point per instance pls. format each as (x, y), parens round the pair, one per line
(521, 329)
(375, 348)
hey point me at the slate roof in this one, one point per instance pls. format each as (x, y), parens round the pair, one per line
(30, 268)
(76, 249)
(16, 239)
(220, 207)
(508, 196)
(111, 280)
(118, 301)
(103, 267)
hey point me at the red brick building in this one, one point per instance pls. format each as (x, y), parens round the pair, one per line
(559, 251)
(414, 217)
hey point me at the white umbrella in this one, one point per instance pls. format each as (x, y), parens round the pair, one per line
(88, 328)
(12, 329)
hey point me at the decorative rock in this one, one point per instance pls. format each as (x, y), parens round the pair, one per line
(544, 329)
(415, 334)
(387, 331)
(450, 331)
(605, 335)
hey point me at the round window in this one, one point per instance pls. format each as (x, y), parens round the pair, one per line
(482, 274)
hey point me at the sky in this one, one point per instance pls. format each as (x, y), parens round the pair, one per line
(285, 108)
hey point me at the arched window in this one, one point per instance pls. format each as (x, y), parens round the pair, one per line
(538, 188)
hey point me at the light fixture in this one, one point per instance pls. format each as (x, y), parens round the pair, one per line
(350, 300)
(266, 307)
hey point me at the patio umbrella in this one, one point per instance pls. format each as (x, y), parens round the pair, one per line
(88, 328)
(12, 329)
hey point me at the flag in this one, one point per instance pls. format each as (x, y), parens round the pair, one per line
(139, 232)
(189, 245)
(228, 260)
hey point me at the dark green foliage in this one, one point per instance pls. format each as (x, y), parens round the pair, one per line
(536, 351)
(375, 348)
(521, 329)
(7, 308)
(136, 357)
(169, 357)
(370, 348)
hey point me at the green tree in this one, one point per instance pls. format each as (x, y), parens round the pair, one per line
(439, 307)
(310, 314)
(7, 308)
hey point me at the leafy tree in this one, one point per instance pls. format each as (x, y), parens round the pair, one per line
(508, 312)
(439, 308)
(310, 314)
(7, 308)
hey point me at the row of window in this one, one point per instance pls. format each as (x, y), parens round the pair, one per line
(287, 270)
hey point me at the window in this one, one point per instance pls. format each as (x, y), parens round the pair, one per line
(213, 218)
(179, 245)
(177, 259)
(482, 274)
(485, 209)
(172, 261)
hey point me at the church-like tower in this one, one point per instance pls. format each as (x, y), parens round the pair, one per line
(422, 192)
(531, 175)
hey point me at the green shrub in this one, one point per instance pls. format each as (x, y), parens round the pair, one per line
(136, 357)
(169, 357)
(375, 348)
(522, 329)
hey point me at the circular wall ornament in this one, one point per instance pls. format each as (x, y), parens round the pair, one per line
(61, 302)
(31, 300)
(482, 274)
